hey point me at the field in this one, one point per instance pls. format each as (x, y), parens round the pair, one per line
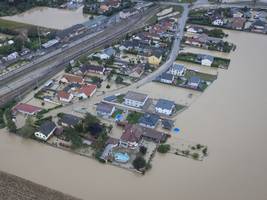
(13, 25)
(13, 187)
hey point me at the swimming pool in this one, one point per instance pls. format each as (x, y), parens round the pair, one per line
(121, 157)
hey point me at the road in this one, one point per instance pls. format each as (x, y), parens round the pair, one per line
(172, 57)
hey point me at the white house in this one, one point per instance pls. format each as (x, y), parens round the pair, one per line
(177, 70)
(165, 107)
(217, 22)
(135, 99)
(45, 130)
(205, 60)
(86, 91)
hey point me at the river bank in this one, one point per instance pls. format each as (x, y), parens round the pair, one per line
(229, 117)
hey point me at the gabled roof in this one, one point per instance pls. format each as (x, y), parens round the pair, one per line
(87, 89)
(109, 51)
(178, 67)
(104, 108)
(167, 76)
(135, 96)
(132, 133)
(73, 78)
(47, 127)
(165, 104)
(194, 80)
(70, 120)
(96, 68)
(149, 119)
(63, 95)
(167, 124)
(27, 108)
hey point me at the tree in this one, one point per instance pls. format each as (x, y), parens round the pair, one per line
(164, 148)
(119, 80)
(139, 163)
(73, 136)
(143, 150)
(26, 131)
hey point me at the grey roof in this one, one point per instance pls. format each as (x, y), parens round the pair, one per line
(104, 108)
(153, 134)
(167, 76)
(46, 127)
(167, 124)
(110, 98)
(149, 119)
(165, 104)
(178, 67)
(109, 51)
(88, 67)
(70, 120)
(194, 79)
(135, 96)
(203, 56)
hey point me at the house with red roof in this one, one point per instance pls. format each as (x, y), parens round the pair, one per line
(64, 96)
(26, 109)
(86, 91)
(67, 78)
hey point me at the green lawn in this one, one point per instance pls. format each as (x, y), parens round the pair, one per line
(202, 76)
(13, 25)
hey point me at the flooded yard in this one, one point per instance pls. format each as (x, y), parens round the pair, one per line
(51, 17)
(229, 117)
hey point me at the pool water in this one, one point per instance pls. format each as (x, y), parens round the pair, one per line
(121, 157)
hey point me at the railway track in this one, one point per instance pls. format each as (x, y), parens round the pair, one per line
(20, 91)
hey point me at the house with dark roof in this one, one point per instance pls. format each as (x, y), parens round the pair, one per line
(135, 99)
(105, 110)
(167, 124)
(133, 134)
(85, 69)
(165, 107)
(68, 120)
(46, 129)
(177, 69)
(194, 82)
(166, 78)
(149, 120)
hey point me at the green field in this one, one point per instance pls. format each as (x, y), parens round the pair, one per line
(13, 25)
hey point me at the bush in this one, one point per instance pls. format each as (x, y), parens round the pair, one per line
(143, 150)
(164, 148)
(139, 163)
(195, 156)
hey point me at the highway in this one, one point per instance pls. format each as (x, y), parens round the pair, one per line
(30, 77)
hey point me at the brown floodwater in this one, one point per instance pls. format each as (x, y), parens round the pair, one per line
(50, 17)
(230, 117)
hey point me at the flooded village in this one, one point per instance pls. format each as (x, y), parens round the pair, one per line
(186, 129)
